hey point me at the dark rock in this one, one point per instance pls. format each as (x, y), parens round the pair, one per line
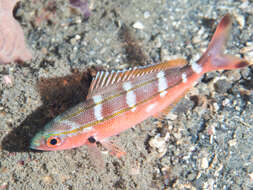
(222, 86)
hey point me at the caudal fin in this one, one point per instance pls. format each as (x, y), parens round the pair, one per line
(214, 57)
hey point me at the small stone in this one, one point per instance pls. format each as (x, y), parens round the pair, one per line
(99, 62)
(232, 142)
(217, 172)
(209, 184)
(7, 80)
(211, 129)
(73, 41)
(146, 14)
(135, 170)
(48, 180)
(247, 48)
(191, 176)
(199, 37)
(240, 19)
(77, 37)
(235, 187)
(78, 20)
(251, 175)
(122, 66)
(226, 102)
(157, 142)
(138, 25)
(44, 50)
(246, 72)
(233, 75)
(178, 135)
(222, 86)
(171, 116)
(216, 106)
(204, 163)
(160, 144)
(157, 42)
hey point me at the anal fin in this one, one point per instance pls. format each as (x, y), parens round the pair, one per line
(113, 149)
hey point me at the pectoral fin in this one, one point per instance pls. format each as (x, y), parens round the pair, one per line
(96, 156)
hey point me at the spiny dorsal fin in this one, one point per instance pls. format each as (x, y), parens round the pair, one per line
(107, 78)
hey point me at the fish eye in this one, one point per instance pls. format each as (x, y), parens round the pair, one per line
(91, 139)
(53, 142)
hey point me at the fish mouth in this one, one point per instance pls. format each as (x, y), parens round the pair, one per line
(34, 146)
(37, 142)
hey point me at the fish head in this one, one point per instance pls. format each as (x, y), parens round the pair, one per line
(60, 135)
(45, 141)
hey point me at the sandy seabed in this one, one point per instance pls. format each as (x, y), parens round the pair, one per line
(206, 141)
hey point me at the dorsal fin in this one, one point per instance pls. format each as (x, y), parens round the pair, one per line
(107, 78)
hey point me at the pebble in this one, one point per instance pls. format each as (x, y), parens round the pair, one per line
(171, 116)
(246, 72)
(200, 36)
(235, 187)
(159, 143)
(77, 37)
(248, 52)
(158, 42)
(48, 180)
(222, 86)
(78, 20)
(233, 75)
(232, 142)
(216, 106)
(240, 19)
(146, 14)
(251, 175)
(226, 102)
(138, 25)
(7, 80)
(191, 176)
(209, 184)
(73, 41)
(247, 48)
(204, 163)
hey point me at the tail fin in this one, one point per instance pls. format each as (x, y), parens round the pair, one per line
(214, 58)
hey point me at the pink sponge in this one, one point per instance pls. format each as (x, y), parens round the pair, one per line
(12, 41)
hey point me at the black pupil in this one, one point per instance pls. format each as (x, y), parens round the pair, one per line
(53, 142)
(91, 139)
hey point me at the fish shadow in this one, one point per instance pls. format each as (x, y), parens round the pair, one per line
(57, 95)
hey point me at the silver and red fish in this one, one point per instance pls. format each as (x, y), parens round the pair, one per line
(118, 100)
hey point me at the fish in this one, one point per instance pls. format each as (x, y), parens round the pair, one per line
(118, 100)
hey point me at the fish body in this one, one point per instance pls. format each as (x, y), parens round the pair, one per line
(118, 100)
